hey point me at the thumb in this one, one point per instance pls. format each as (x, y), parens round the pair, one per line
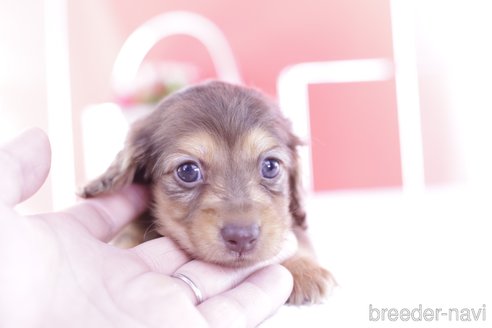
(24, 166)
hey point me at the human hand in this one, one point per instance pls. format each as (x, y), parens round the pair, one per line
(57, 270)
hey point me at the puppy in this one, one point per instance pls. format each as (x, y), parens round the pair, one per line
(222, 165)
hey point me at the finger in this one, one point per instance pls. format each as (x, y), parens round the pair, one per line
(105, 216)
(161, 255)
(213, 279)
(24, 166)
(251, 302)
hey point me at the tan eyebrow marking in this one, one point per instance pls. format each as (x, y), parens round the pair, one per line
(200, 145)
(258, 142)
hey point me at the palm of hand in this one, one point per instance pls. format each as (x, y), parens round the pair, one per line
(58, 270)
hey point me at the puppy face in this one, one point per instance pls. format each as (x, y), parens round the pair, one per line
(222, 165)
(225, 202)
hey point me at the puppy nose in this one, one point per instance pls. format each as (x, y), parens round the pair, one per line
(240, 238)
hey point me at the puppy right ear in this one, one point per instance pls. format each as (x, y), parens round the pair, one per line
(130, 165)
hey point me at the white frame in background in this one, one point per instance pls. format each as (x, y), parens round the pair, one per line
(293, 94)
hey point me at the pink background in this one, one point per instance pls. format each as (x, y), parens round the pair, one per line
(354, 126)
(354, 130)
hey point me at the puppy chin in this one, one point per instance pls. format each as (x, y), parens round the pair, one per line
(237, 260)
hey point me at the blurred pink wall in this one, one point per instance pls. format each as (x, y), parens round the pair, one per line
(267, 36)
(356, 142)
(355, 136)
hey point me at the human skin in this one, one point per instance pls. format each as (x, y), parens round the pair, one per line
(57, 269)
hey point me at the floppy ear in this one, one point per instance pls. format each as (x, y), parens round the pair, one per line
(295, 185)
(130, 165)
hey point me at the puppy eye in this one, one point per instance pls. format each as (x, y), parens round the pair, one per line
(189, 172)
(270, 168)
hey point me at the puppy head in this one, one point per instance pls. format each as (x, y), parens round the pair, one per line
(223, 168)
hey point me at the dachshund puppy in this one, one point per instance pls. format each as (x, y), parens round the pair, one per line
(222, 165)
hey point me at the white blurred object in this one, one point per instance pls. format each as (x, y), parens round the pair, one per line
(145, 37)
(58, 95)
(106, 127)
(103, 129)
(453, 38)
(407, 96)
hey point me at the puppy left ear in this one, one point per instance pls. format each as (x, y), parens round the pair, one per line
(130, 165)
(296, 206)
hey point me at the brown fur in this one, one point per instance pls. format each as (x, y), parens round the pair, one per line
(228, 130)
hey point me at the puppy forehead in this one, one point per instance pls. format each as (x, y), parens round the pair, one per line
(207, 147)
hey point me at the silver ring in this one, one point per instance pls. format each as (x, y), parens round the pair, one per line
(193, 286)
